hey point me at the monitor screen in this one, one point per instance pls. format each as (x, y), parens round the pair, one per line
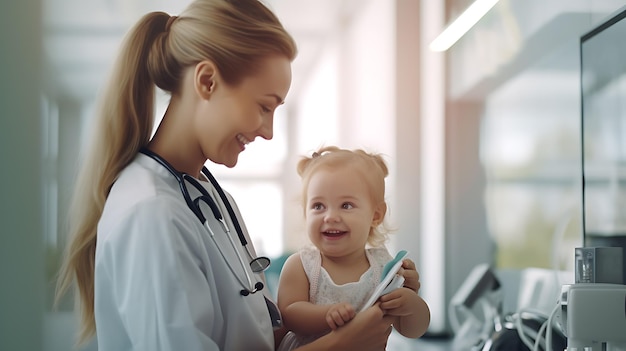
(603, 112)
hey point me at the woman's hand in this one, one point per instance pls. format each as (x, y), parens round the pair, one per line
(368, 331)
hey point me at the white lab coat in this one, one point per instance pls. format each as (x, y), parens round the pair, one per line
(160, 282)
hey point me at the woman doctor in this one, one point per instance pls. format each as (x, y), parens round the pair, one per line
(155, 252)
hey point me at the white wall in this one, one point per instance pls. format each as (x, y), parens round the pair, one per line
(347, 101)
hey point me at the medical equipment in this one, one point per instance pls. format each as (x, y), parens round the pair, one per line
(475, 309)
(478, 320)
(258, 264)
(598, 265)
(592, 311)
(593, 316)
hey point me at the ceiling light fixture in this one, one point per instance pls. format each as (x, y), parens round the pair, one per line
(461, 25)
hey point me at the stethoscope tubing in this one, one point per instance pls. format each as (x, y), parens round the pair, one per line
(258, 264)
(251, 288)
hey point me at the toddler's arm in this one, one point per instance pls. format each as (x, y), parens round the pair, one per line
(411, 311)
(300, 315)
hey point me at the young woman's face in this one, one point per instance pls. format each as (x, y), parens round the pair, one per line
(241, 113)
(339, 212)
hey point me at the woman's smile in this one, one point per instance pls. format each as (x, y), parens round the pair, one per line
(243, 141)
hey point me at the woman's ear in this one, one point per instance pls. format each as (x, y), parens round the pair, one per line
(205, 77)
(379, 214)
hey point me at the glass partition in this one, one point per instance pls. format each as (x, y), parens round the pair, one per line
(603, 100)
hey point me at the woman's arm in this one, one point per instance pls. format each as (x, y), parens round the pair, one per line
(368, 331)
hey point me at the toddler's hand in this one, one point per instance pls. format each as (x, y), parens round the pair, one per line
(339, 314)
(399, 302)
(410, 274)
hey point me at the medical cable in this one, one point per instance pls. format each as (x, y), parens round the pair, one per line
(548, 328)
(543, 327)
(526, 333)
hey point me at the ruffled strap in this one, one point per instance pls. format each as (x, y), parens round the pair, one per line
(312, 264)
(378, 257)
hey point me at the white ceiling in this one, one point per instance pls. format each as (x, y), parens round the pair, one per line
(81, 37)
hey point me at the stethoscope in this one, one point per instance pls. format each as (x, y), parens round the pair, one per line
(258, 264)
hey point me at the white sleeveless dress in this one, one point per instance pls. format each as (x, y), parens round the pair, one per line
(323, 291)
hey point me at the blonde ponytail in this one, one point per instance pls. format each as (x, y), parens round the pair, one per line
(123, 126)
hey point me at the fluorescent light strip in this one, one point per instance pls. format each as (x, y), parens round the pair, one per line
(461, 25)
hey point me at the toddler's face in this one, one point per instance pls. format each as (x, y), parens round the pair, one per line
(339, 211)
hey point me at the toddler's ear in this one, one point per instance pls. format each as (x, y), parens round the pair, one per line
(379, 214)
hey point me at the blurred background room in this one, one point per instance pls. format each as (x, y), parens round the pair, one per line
(483, 138)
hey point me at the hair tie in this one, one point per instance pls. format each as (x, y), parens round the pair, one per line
(315, 154)
(169, 22)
